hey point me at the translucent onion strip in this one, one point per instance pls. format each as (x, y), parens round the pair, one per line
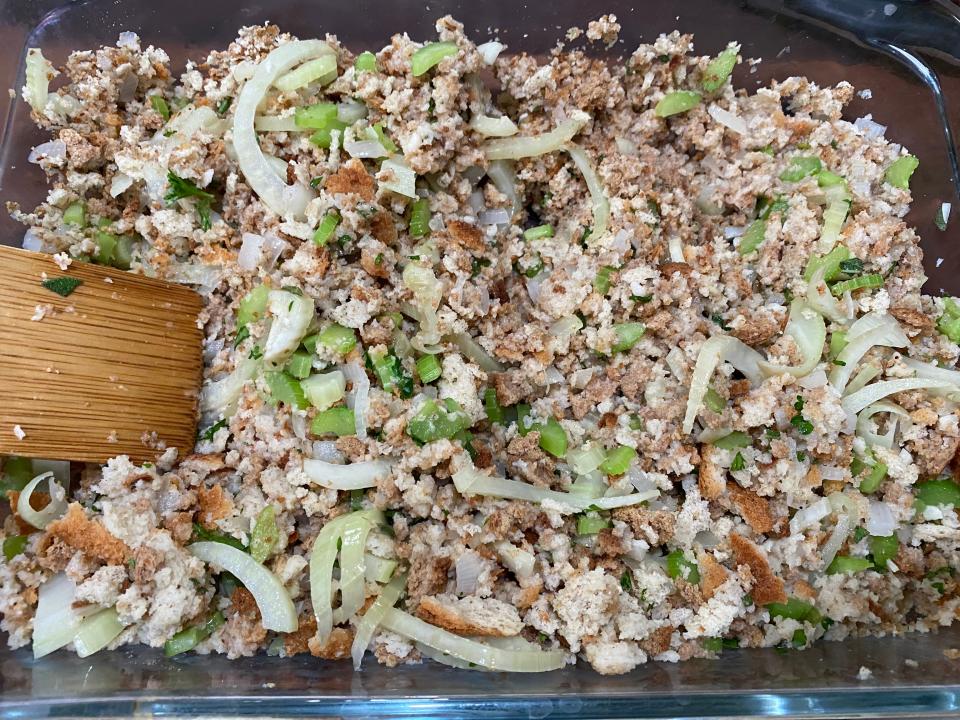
(864, 424)
(220, 396)
(288, 201)
(470, 481)
(598, 197)
(493, 127)
(322, 69)
(96, 632)
(374, 615)
(715, 350)
(471, 651)
(53, 510)
(353, 569)
(292, 315)
(358, 399)
(472, 350)
(855, 402)
(56, 621)
(276, 608)
(354, 476)
(517, 147)
(822, 300)
(871, 330)
(809, 332)
(276, 123)
(932, 372)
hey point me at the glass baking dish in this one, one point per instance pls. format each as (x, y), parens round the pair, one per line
(903, 52)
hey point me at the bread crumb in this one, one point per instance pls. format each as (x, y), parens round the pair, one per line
(865, 673)
(19, 432)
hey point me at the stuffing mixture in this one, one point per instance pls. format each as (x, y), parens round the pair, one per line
(509, 361)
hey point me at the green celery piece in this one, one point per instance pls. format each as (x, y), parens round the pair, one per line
(337, 421)
(628, 335)
(943, 491)
(719, 69)
(678, 566)
(428, 368)
(800, 167)
(602, 282)
(553, 438)
(438, 420)
(825, 178)
(873, 479)
(430, 55)
(326, 228)
(265, 535)
(714, 401)
(883, 549)
(419, 225)
(393, 377)
(337, 338)
(795, 610)
(847, 564)
(830, 262)
(492, 406)
(253, 306)
(106, 247)
(753, 237)
(366, 62)
(316, 117)
(872, 280)
(899, 172)
(677, 102)
(734, 441)
(591, 524)
(300, 365)
(160, 105)
(949, 322)
(618, 460)
(285, 389)
(14, 545)
(538, 233)
(838, 341)
(75, 214)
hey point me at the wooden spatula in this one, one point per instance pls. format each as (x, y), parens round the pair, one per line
(112, 368)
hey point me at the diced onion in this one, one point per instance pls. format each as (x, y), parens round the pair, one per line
(250, 253)
(881, 520)
(841, 531)
(715, 350)
(565, 327)
(472, 350)
(427, 292)
(675, 247)
(55, 151)
(468, 567)
(490, 50)
(38, 73)
(292, 315)
(728, 119)
(220, 396)
(520, 562)
(598, 197)
(809, 332)
(809, 516)
(493, 127)
(96, 632)
(276, 608)
(350, 111)
(119, 184)
(397, 177)
(373, 616)
(471, 651)
(503, 174)
(324, 389)
(584, 460)
(514, 148)
(353, 567)
(32, 241)
(878, 330)
(288, 201)
(358, 399)
(499, 216)
(354, 476)
(378, 569)
(822, 300)
(855, 402)
(869, 128)
(53, 510)
(365, 149)
(276, 123)
(470, 481)
(56, 621)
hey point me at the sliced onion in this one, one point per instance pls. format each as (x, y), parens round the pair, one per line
(715, 350)
(584, 460)
(220, 396)
(326, 450)
(504, 177)
(932, 372)
(822, 300)
(120, 184)
(884, 331)
(276, 123)
(855, 402)
(54, 151)
(59, 468)
(251, 250)
(468, 568)
(809, 516)
(863, 424)
(350, 111)
(514, 148)
(53, 510)
(493, 127)
(490, 50)
(470, 481)
(191, 120)
(56, 621)
(675, 247)
(96, 632)
(866, 374)
(353, 567)
(472, 350)
(728, 119)
(358, 399)
(598, 196)
(640, 479)
(498, 216)
(322, 69)
(354, 476)
(809, 332)
(365, 149)
(378, 569)
(374, 615)
(397, 177)
(32, 241)
(471, 651)
(288, 201)
(841, 531)
(292, 315)
(881, 521)
(276, 608)
(518, 561)
(38, 73)
(833, 219)
(816, 379)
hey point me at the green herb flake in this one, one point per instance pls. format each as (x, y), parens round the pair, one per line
(181, 188)
(62, 286)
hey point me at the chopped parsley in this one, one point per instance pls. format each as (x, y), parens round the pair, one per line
(242, 334)
(626, 580)
(772, 433)
(477, 265)
(738, 463)
(851, 266)
(207, 435)
(719, 321)
(256, 353)
(224, 105)
(62, 286)
(181, 188)
(803, 426)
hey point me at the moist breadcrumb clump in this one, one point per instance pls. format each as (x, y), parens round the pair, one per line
(523, 350)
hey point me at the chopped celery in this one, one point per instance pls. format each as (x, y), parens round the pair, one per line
(553, 438)
(618, 460)
(326, 228)
(591, 524)
(17, 472)
(419, 225)
(428, 368)
(253, 306)
(366, 62)
(943, 491)
(334, 421)
(628, 334)
(601, 283)
(825, 178)
(873, 479)
(538, 233)
(75, 214)
(429, 55)
(437, 420)
(800, 167)
(391, 373)
(300, 364)
(316, 117)
(838, 341)
(383, 138)
(14, 545)
(285, 389)
(752, 238)
(679, 567)
(847, 564)
(310, 343)
(719, 69)
(188, 639)
(795, 609)
(829, 262)
(873, 280)
(201, 534)
(883, 549)
(492, 406)
(337, 338)
(734, 441)
(949, 322)
(899, 172)
(677, 102)
(767, 207)
(106, 247)
(714, 401)
(265, 534)
(323, 136)
(160, 105)
(123, 252)
(324, 389)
